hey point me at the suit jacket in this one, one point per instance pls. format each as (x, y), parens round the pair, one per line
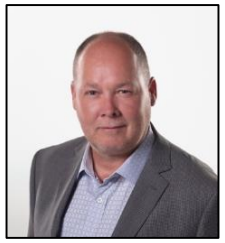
(175, 195)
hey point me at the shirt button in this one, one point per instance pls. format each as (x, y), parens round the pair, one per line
(99, 200)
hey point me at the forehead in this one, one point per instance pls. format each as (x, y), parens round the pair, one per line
(107, 56)
(107, 44)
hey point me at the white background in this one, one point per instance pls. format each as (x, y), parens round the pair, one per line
(181, 44)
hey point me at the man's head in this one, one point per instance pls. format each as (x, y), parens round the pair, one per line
(134, 45)
(112, 93)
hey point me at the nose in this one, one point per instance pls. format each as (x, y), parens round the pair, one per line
(109, 108)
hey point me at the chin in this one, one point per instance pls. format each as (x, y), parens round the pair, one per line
(113, 149)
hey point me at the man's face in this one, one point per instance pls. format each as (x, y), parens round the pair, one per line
(111, 98)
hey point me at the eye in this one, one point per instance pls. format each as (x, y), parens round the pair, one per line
(91, 92)
(124, 91)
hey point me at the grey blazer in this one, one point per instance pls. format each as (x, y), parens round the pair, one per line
(175, 195)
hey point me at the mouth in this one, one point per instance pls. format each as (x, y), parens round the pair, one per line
(111, 128)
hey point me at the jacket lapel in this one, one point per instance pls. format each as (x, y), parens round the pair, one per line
(70, 181)
(147, 192)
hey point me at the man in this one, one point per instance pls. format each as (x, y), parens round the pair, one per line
(123, 179)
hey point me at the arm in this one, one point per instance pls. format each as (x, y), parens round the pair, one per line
(208, 226)
(32, 198)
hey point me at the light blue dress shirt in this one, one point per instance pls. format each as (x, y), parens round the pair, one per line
(95, 207)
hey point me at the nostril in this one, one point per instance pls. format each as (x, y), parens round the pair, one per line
(112, 114)
(109, 107)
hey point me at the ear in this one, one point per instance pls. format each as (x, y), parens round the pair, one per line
(73, 93)
(152, 88)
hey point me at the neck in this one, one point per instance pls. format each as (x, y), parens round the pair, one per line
(105, 166)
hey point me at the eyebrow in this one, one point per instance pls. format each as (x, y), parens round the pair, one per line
(93, 85)
(126, 83)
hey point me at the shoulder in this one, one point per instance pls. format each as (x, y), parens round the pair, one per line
(64, 148)
(196, 178)
(184, 170)
(191, 165)
(60, 154)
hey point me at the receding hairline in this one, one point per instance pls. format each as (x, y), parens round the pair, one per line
(127, 39)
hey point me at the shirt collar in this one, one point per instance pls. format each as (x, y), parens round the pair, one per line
(133, 165)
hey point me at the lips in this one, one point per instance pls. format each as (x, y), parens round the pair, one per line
(112, 127)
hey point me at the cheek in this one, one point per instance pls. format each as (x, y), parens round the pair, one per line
(87, 111)
(134, 109)
(130, 112)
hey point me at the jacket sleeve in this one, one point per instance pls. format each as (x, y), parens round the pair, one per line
(32, 197)
(208, 226)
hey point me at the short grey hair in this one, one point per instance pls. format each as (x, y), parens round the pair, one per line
(134, 45)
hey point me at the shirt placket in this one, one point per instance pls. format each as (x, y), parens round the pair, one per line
(96, 211)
